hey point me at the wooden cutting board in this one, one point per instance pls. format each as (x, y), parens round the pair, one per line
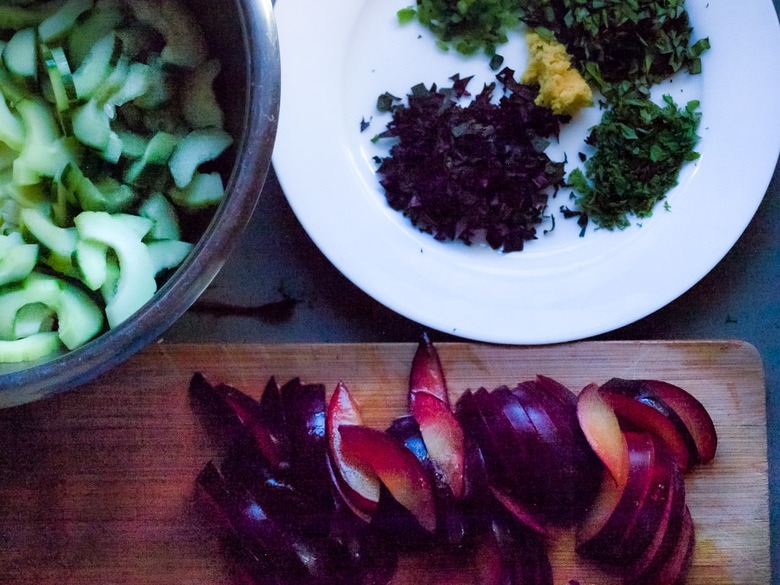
(96, 486)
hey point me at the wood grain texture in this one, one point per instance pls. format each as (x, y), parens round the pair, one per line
(96, 485)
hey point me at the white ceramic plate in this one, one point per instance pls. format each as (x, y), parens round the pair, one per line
(338, 57)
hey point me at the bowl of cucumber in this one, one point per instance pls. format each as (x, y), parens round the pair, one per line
(135, 139)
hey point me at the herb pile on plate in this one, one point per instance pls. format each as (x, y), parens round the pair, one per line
(622, 49)
(476, 170)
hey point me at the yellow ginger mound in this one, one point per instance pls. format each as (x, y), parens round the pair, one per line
(561, 87)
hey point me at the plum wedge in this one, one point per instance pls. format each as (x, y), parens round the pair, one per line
(396, 466)
(668, 411)
(429, 403)
(357, 484)
(602, 430)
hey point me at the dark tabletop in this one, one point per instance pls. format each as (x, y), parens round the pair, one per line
(280, 288)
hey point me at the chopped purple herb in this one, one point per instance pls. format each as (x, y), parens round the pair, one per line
(462, 172)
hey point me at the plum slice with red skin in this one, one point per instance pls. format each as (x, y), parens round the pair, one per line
(677, 566)
(357, 484)
(295, 558)
(271, 442)
(669, 411)
(693, 414)
(398, 469)
(602, 430)
(304, 407)
(245, 417)
(429, 403)
(426, 373)
(452, 521)
(606, 533)
(473, 410)
(665, 539)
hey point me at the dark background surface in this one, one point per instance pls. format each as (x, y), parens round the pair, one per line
(290, 292)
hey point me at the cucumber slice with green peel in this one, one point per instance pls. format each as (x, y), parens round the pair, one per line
(15, 17)
(204, 190)
(158, 151)
(63, 20)
(17, 258)
(113, 83)
(166, 254)
(92, 126)
(105, 17)
(97, 65)
(29, 348)
(109, 288)
(90, 259)
(43, 152)
(12, 131)
(199, 146)
(21, 53)
(185, 44)
(108, 194)
(33, 318)
(79, 318)
(61, 241)
(200, 107)
(136, 283)
(135, 85)
(63, 88)
(133, 145)
(162, 212)
(36, 288)
(140, 226)
(158, 86)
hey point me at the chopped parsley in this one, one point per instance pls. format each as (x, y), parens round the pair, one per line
(640, 148)
(467, 25)
(462, 172)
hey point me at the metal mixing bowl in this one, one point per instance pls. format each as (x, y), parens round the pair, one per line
(242, 34)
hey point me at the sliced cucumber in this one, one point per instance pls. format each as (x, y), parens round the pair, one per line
(167, 254)
(185, 44)
(158, 151)
(17, 258)
(200, 107)
(91, 153)
(136, 283)
(43, 154)
(105, 17)
(33, 318)
(20, 53)
(90, 258)
(79, 319)
(35, 288)
(204, 190)
(12, 130)
(106, 195)
(16, 17)
(61, 241)
(97, 65)
(92, 126)
(61, 79)
(199, 146)
(63, 20)
(162, 212)
(29, 348)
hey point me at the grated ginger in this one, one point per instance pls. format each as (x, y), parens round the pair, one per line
(561, 87)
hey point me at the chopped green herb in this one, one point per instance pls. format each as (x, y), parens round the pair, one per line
(617, 41)
(469, 26)
(640, 148)
(472, 171)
